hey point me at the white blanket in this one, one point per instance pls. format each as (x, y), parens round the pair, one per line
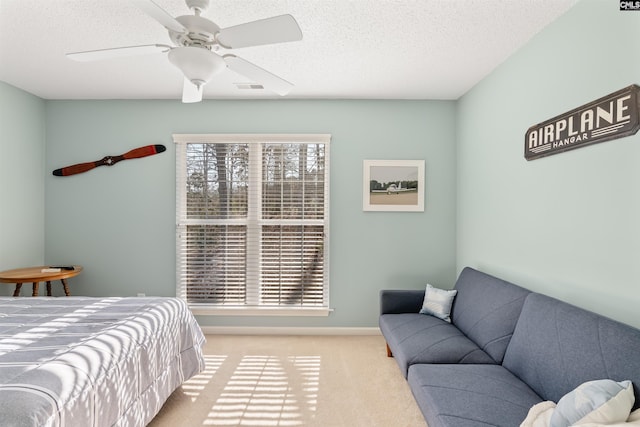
(86, 362)
(540, 416)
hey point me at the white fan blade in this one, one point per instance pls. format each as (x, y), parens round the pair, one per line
(160, 15)
(259, 75)
(190, 92)
(118, 52)
(278, 29)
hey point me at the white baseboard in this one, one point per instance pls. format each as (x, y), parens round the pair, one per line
(287, 330)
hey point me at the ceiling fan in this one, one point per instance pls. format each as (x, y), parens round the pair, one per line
(197, 42)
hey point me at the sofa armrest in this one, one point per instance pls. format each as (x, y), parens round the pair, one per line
(395, 301)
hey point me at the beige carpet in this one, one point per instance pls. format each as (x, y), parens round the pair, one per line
(294, 381)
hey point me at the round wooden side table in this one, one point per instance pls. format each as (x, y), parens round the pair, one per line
(39, 274)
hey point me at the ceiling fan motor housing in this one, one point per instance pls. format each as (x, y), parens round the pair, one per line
(200, 32)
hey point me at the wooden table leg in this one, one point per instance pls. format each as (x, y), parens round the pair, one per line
(48, 288)
(35, 289)
(66, 288)
(16, 293)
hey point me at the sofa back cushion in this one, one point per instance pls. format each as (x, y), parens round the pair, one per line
(557, 346)
(486, 310)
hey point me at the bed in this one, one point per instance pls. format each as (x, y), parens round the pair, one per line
(77, 361)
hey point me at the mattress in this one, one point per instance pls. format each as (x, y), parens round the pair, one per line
(77, 361)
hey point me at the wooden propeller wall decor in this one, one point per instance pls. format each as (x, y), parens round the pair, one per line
(147, 150)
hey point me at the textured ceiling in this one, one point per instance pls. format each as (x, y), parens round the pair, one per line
(366, 49)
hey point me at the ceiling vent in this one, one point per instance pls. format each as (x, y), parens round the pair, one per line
(249, 86)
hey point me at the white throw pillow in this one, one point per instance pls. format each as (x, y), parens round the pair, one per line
(539, 415)
(633, 420)
(438, 302)
(600, 401)
(634, 416)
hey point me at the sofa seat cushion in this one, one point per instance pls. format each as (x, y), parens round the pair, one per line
(419, 338)
(470, 395)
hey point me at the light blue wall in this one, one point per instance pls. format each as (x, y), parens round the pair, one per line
(22, 153)
(565, 225)
(119, 222)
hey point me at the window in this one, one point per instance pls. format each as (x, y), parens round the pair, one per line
(252, 223)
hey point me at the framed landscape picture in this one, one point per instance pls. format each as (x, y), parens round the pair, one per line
(393, 185)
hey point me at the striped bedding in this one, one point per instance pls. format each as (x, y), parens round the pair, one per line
(77, 361)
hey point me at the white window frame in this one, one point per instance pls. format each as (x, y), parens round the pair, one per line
(181, 141)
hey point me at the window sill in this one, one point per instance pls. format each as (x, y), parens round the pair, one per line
(213, 310)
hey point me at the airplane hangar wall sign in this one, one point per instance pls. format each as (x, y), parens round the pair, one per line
(610, 117)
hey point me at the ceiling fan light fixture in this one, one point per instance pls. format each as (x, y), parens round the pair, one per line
(196, 63)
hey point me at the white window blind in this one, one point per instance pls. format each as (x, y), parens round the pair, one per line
(253, 221)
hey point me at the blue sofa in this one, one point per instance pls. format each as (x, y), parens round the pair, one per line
(505, 350)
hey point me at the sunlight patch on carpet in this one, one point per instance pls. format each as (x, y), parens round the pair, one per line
(268, 391)
(197, 383)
